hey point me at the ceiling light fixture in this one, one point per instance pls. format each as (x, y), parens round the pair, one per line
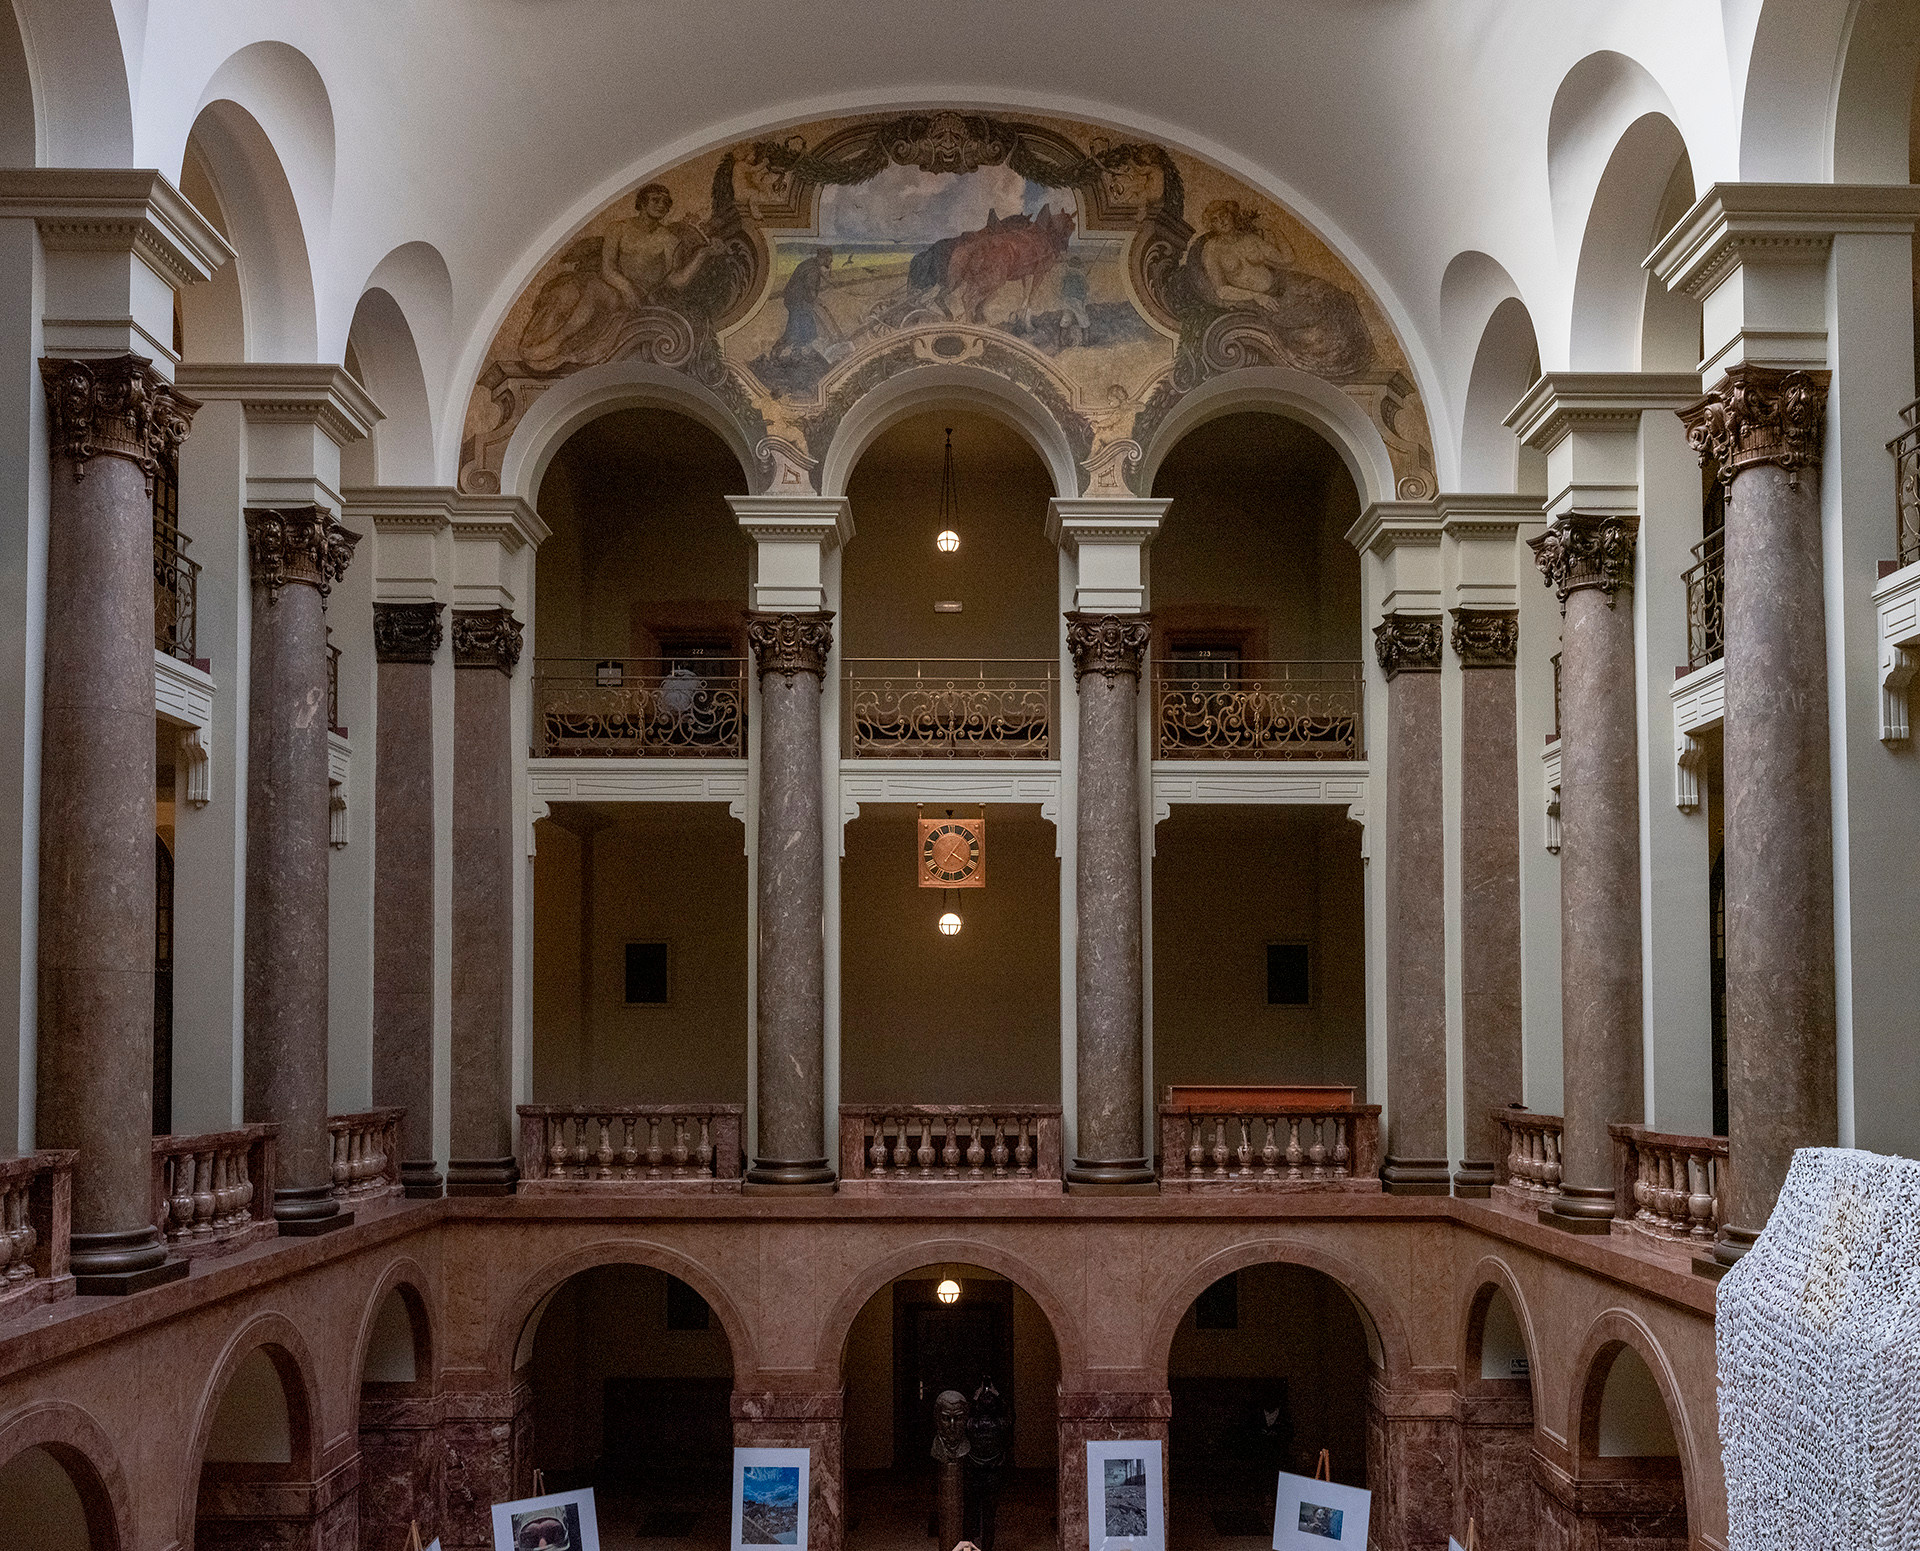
(950, 919)
(948, 1291)
(948, 539)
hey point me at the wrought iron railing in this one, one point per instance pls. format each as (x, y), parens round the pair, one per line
(176, 594)
(1259, 710)
(1906, 475)
(1705, 582)
(333, 689)
(1556, 696)
(950, 708)
(641, 706)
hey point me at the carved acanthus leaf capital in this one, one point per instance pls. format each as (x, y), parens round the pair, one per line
(406, 632)
(486, 638)
(1759, 415)
(1581, 550)
(1486, 638)
(115, 407)
(788, 644)
(1408, 643)
(1108, 644)
(297, 544)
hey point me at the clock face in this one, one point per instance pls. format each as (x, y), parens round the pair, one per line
(950, 854)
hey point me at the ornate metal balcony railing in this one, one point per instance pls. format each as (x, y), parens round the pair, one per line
(1705, 581)
(1292, 1138)
(1530, 1172)
(1668, 1187)
(333, 689)
(950, 708)
(1008, 1149)
(670, 1148)
(36, 1219)
(366, 1154)
(1259, 710)
(176, 594)
(213, 1194)
(1906, 476)
(641, 706)
(1556, 696)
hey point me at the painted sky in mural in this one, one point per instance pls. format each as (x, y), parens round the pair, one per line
(791, 276)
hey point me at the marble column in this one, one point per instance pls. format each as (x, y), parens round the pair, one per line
(1763, 429)
(1487, 643)
(406, 639)
(1588, 561)
(295, 555)
(486, 648)
(790, 656)
(109, 423)
(1109, 651)
(1408, 649)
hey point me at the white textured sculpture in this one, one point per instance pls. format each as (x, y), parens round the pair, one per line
(1819, 1345)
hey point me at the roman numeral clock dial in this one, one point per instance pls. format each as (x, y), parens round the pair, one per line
(952, 853)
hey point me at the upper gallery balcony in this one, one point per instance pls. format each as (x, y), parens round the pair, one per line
(657, 707)
(951, 708)
(1215, 708)
(1705, 582)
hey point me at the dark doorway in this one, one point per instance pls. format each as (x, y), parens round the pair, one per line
(939, 1346)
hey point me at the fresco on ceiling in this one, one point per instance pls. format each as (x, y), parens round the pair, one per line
(791, 275)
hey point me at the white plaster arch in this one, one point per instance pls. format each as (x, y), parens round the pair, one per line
(1593, 105)
(400, 451)
(83, 109)
(1873, 98)
(909, 392)
(19, 113)
(600, 390)
(1492, 355)
(1612, 290)
(283, 91)
(415, 275)
(1280, 390)
(1793, 64)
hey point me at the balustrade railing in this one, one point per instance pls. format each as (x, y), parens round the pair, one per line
(1259, 710)
(176, 594)
(1530, 1172)
(36, 1216)
(1007, 1148)
(213, 1194)
(1666, 1186)
(1705, 581)
(1274, 1139)
(366, 1154)
(1906, 475)
(666, 1147)
(950, 708)
(674, 707)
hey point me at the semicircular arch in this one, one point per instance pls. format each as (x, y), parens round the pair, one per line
(1490, 1276)
(87, 1453)
(1611, 1331)
(404, 1276)
(283, 1343)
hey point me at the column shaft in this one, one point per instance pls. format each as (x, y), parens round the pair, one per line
(790, 652)
(1487, 644)
(1108, 650)
(406, 639)
(295, 555)
(1589, 560)
(109, 422)
(1408, 649)
(486, 646)
(1763, 429)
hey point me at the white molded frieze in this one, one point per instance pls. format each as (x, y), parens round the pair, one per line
(183, 698)
(1699, 703)
(1896, 603)
(976, 781)
(632, 780)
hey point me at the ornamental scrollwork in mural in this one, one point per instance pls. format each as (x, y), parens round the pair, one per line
(1582, 550)
(791, 276)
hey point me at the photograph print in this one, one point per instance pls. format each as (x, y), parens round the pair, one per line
(560, 1521)
(770, 1498)
(1125, 1505)
(1310, 1515)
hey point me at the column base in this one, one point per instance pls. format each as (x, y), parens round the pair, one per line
(1416, 1177)
(1580, 1209)
(786, 1176)
(112, 1264)
(114, 1284)
(313, 1227)
(302, 1211)
(421, 1181)
(1475, 1179)
(1728, 1250)
(1111, 1177)
(482, 1176)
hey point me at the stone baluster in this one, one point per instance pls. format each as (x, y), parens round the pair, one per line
(1762, 428)
(296, 555)
(1588, 561)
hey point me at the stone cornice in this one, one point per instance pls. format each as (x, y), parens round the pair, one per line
(1486, 638)
(790, 644)
(486, 638)
(1757, 416)
(1583, 550)
(1408, 643)
(1387, 525)
(297, 544)
(1736, 223)
(116, 210)
(399, 508)
(289, 393)
(406, 632)
(113, 406)
(1073, 521)
(826, 519)
(1560, 403)
(1108, 644)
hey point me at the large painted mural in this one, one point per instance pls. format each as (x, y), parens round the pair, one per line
(791, 275)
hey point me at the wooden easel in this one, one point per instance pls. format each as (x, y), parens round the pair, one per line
(413, 1537)
(1323, 1467)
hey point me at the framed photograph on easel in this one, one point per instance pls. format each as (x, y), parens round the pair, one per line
(770, 1489)
(560, 1521)
(1126, 1509)
(1314, 1514)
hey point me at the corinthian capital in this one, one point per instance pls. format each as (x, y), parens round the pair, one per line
(1486, 638)
(406, 632)
(1408, 643)
(1108, 644)
(1759, 415)
(1582, 550)
(297, 544)
(486, 638)
(788, 644)
(117, 407)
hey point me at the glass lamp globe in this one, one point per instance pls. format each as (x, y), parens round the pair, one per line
(948, 1291)
(950, 924)
(947, 541)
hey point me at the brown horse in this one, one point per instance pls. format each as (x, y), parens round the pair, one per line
(979, 263)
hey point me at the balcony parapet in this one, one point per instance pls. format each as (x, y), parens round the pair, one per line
(1666, 1186)
(670, 1149)
(951, 708)
(1705, 581)
(36, 1224)
(1001, 1149)
(1906, 475)
(651, 707)
(213, 1194)
(366, 1154)
(1530, 1175)
(1279, 1138)
(1259, 710)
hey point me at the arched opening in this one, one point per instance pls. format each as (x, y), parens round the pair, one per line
(52, 1498)
(1496, 1426)
(963, 1329)
(1505, 366)
(1257, 632)
(632, 1372)
(950, 650)
(1269, 1365)
(640, 907)
(398, 1423)
(258, 1444)
(1627, 1436)
(382, 355)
